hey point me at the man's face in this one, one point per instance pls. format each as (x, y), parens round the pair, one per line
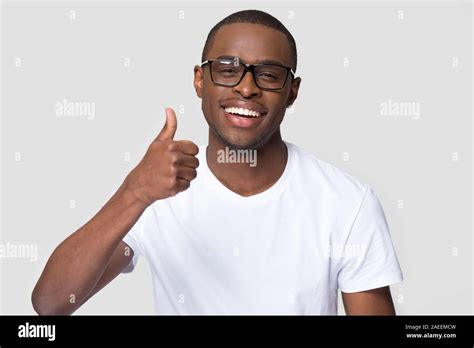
(251, 44)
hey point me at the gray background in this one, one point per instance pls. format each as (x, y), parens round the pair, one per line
(70, 165)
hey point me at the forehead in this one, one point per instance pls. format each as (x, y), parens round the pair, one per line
(252, 43)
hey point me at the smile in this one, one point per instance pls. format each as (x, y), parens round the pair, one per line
(242, 112)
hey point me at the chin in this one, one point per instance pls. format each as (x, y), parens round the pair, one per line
(240, 144)
(237, 142)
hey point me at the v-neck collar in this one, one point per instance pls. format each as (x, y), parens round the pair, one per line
(228, 193)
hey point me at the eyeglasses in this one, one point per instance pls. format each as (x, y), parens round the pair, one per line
(229, 73)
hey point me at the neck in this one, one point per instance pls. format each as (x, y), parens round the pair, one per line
(247, 172)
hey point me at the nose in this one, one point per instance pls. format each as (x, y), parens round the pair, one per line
(247, 87)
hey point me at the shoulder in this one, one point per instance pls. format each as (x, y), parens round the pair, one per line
(324, 177)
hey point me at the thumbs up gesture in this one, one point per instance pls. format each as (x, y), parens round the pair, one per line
(167, 167)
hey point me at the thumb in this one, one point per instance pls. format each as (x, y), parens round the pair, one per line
(169, 129)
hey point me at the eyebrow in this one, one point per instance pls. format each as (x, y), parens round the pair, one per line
(265, 61)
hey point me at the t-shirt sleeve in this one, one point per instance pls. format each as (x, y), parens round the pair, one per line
(133, 240)
(370, 260)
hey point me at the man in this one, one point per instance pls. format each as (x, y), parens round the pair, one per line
(280, 235)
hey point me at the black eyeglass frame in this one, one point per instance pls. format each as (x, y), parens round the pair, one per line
(247, 68)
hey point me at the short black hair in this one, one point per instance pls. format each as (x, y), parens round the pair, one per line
(254, 17)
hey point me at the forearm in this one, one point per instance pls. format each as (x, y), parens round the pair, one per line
(77, 264)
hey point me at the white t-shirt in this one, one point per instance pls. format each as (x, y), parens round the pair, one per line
(286, 250)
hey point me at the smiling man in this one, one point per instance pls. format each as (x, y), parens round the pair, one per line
(225, 237)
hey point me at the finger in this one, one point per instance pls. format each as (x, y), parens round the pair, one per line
(187, 161)
(182, 185)
(186, 173)
(171, 124)
(188, 147)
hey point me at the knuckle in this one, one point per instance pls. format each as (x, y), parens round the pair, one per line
(174, 159)
(171, 146)
(173, 171)
(171, 183)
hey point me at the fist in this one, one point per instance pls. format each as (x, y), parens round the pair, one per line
(167, 167)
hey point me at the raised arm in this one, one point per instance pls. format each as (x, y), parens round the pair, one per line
(92, 256)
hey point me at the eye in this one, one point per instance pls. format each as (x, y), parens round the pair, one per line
(267, 75)
(228, 70)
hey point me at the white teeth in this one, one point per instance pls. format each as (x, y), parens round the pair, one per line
(242, 111)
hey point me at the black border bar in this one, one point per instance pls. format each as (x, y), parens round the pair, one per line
(138, 331)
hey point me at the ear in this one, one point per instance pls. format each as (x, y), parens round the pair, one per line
(295, 86)
(198, 80)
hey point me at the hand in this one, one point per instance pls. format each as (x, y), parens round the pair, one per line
(167, 167)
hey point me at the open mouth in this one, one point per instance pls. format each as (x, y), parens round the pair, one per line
(242, 117)
(242, 112)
